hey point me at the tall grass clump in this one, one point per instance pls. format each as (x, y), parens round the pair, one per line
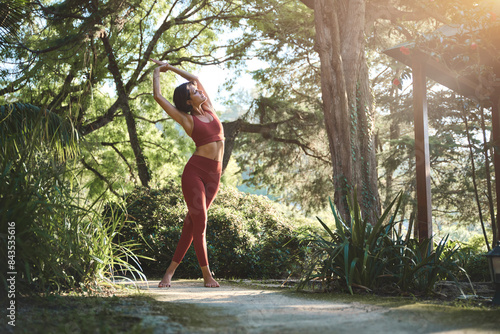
(61, 238)
(373, 256)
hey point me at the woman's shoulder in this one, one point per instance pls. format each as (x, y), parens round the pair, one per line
(208, 109)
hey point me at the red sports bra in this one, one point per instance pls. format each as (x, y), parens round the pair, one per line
(204, 133)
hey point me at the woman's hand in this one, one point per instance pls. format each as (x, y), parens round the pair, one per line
(163, 66)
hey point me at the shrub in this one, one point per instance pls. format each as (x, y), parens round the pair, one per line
(248, 236)
(61, 241)
(373, 256)
(471, 257)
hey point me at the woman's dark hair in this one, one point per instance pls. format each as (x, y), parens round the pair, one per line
(181, 96)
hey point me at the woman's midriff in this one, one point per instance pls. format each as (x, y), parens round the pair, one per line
(213, 150)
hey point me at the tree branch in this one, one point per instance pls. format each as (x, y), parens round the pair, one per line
(308, 3)
(131, 171)
(103, 120)
(65, 89)
(100, 176)
(152, 122)
(167, 24)
(304, 148)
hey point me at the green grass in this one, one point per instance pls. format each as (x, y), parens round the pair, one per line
(80, 314)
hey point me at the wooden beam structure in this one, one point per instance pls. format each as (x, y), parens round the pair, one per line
(423, 164)
(484, 89)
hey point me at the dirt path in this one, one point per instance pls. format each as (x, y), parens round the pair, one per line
(240, 309)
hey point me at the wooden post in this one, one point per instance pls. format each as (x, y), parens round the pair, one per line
(423, 167)
(495, 120)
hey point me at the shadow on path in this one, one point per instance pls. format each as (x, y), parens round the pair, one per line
(234, 308)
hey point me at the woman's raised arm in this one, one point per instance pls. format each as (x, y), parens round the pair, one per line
(188, 76)
(180, 117)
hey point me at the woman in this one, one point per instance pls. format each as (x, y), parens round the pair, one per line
(201, 176)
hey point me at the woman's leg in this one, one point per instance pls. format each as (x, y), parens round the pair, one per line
(180, 251)
(199, 189)
(185, 240)
(211, 189)
(190, 179)
(194, 190)
(199, 196)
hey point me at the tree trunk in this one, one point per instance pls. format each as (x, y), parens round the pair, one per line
(140, 159)
(347, 104)
(122, 102)
(231, 131)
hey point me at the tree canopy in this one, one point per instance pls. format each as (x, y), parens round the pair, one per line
(88, 62)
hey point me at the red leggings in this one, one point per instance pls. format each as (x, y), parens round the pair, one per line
(200, 184)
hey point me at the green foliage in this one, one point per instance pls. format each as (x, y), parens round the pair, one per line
(247, 235)
(89, 62)
(471, 257)
(292, 146)
(11, 14)
(25, 128)
(423, 264)
(451, 170)
(452, 187)
(60, 241)
(294, 151)
(375, 256)
(87, 313)
(476, 267)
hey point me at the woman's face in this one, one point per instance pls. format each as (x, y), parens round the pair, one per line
(196, 96)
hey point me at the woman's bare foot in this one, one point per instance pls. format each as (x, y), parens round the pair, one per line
(167, 278)
(211, 283)
(207, 277)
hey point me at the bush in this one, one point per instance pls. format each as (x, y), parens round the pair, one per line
(373, 256)
(471, 257)
(61, 241)
(248, 236)
(477, 268)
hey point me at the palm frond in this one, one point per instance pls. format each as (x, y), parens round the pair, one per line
(24, 125)
(11, 16)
